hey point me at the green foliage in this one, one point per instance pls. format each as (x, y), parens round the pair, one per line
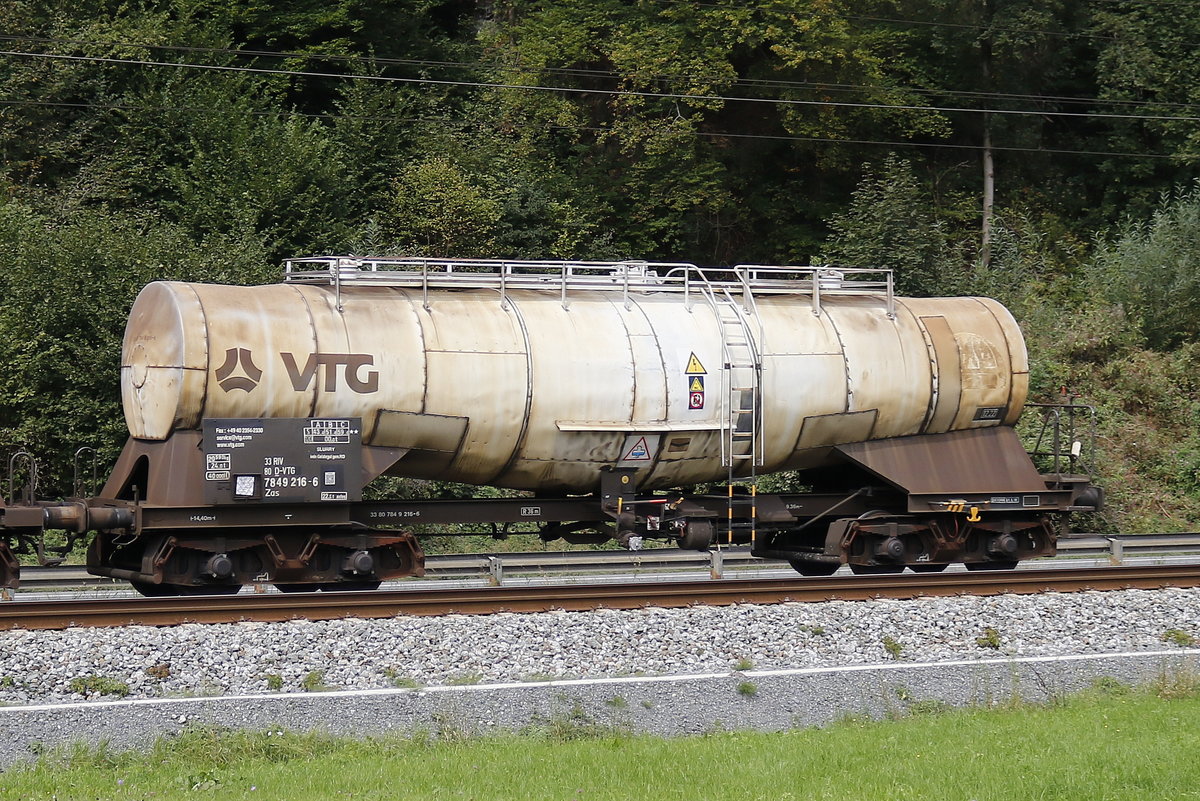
(399, 680)
(1152, 271)
(1097, 745)
(98, 685)
(892, 647)
(68, 285)
(1176, 685)
(747, 688)
(437, 211)
(465, 679)
(573, 725)
(989, 639)
(1179, 637)
(890, 223)
(1107, 685)
(313, 682)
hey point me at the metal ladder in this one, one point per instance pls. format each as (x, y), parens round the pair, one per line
(741, 392)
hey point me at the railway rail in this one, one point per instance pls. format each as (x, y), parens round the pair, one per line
(498, 565)
(264, 607)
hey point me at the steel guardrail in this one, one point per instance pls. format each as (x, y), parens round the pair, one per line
(496, 565)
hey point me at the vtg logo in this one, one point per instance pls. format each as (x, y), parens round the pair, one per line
(351, 364)
(236, 358)
(240, 372)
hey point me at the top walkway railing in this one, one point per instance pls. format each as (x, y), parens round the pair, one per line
(567, 277)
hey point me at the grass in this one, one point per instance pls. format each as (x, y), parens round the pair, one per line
(893, 647)
(990, 638)
(314, 682)
(1178, 637)
(1114, 743)
(98, 685)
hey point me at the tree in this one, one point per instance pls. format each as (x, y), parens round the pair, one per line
(67, 286)
(1152, 270)
(891, 223)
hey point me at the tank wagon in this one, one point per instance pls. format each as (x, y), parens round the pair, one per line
(625, 400)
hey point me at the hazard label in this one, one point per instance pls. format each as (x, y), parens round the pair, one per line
(694, 367)
(696, 400)
(640, 452)
(697, 384)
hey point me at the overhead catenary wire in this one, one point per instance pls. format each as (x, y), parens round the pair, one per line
(588, 91)
(376, 61)
(593, 129)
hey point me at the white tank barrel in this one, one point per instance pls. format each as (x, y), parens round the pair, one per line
(538, 375)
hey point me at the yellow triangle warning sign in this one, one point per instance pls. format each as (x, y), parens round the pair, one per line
(697, 384)
(694, 366)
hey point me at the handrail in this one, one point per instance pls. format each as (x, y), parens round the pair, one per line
(29, 491)
(78, 487)
(1081, 451)
(623, 276)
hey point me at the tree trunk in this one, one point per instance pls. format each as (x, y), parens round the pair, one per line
(989, 196)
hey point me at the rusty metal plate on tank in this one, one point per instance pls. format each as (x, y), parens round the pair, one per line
(282, 460)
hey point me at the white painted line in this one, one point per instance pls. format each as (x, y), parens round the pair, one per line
(621, 680)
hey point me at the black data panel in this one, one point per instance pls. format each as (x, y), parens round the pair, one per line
(283, 460)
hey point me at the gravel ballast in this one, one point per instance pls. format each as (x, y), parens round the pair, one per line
(759, 657)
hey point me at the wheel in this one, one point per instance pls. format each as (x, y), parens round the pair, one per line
(875, 570)
(697, 536)
(808, 568)
(991, 565)
(927, 567)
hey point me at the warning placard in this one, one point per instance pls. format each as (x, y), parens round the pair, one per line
(696, 400)
(694, 367)
(640, 452)
(697, 384)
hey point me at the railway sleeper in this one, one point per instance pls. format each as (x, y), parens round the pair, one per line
(182, 563)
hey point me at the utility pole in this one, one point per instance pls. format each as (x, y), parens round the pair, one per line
(989, 167)
(989, 195)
